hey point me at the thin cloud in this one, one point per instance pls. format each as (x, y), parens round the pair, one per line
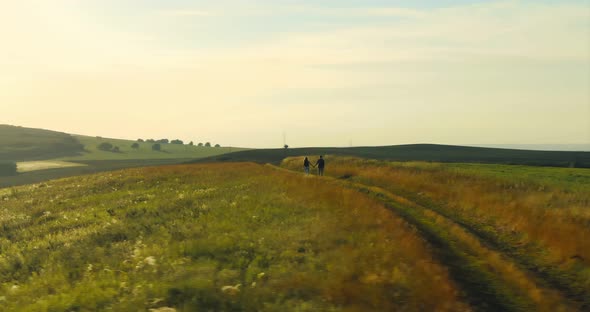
(377, 12)
(333, 12)
(187, 13)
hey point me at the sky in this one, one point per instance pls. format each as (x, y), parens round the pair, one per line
(323, 72)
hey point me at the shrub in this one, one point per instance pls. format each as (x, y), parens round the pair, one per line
(177, 141)
(157, 147)
(135, 146)
(200, 145)
(191, 143)
(116, 149)
(105, 146)
(217, 145)
(163, 141)
(140, 140)
(208, 144)
(7, 168)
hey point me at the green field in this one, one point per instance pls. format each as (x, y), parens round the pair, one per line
(373, 235)
(216, 237)
(492, 229)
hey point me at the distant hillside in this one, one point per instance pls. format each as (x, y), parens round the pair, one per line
(38, 147)
(142, 150)
(19, 144)
(421, 152)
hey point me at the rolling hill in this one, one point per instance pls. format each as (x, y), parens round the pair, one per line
(143, 151)
(20, 144)
(420, 152)
(42, 155)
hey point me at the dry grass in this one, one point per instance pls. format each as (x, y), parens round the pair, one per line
(545, 223)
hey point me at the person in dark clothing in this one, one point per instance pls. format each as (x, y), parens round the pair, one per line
(320, 164)
(306, 164)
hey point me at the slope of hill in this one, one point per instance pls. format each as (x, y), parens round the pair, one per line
(33, 149)
(143, 150)
(421, 152)
(212, 237)
(20, 144)
(376, 236)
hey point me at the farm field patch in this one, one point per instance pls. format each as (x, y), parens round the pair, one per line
(28, 166)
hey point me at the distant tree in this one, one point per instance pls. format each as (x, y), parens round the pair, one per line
(177, 141)
(286, 146)
(208, 144)
(105, 146)
(150, 141)
(7, 168)
(157, 147)
(140, 140)
(135, 146)
(200, 145)
(163, 141)
(191, 143)
(217, 145)
(116, 149)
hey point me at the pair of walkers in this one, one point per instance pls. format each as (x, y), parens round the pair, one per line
(320, 164)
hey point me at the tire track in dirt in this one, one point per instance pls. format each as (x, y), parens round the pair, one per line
(547, 275)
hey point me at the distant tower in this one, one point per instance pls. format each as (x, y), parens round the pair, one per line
(284, 138)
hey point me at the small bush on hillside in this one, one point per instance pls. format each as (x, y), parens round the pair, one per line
(208, 144)
(217, 145)
(200, 145)
(105, 146)
(177, 141)
(116, 149)
(157, 147)
(7, 168)
(135, 146)
(191, 143)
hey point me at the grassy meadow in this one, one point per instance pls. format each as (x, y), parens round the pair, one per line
(373, 235)
(214, 237)
(533, 219)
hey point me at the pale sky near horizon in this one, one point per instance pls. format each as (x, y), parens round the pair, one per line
(326, 72)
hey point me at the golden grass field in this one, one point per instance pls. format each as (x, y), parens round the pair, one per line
(532, 221)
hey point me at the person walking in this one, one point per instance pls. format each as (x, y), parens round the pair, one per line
(320, 164)
(306, 164)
